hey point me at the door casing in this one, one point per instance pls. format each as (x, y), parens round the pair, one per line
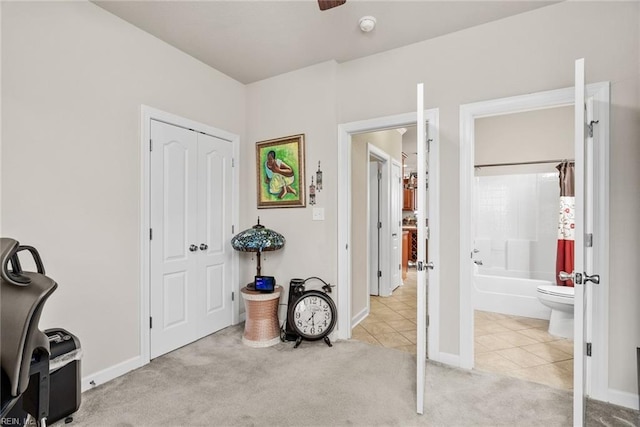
(597, 329)
(146, 115)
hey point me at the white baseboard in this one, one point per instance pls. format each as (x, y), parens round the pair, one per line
(359, 317)
(447, 359)
(110, 373)
(623, 398)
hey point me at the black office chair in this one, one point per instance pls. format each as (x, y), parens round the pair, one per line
(24, 351)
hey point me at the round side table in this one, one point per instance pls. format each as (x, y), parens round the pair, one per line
(261, 327)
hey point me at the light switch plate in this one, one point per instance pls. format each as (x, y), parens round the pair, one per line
(318, 214)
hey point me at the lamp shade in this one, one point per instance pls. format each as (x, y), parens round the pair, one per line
(257, 239)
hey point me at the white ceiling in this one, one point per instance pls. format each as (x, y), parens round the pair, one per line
(254, 40)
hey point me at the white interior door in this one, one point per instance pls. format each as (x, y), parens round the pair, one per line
(583, 213)
(190, 258)
(174, 220)
(374, 230)
(214, 234)
(421, 345)
(395, 223)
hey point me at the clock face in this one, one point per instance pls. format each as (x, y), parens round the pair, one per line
(313, 315)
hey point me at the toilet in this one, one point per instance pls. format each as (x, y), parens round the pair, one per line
(560, 300)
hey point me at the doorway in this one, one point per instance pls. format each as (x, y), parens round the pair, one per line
(515, 223)
(597, 310)
(351, 314)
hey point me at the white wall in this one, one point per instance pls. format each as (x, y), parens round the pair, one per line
(73, 78)
(526, 53)
(302, 101)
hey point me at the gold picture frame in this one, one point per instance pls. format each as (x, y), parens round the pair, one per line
(280, 172)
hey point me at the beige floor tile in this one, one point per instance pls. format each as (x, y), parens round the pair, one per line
(537, 323)
(392, 340)
(492, 342)
(515, 338)
(410, 335)
(563, 345)
(538, 335)
(397, 305)
(379, 328)
(402, 325)
(493, 362)
(367, 338)
(390, 317)
(490, 328)
(491, 316)
(370, 319)
(547, 352)
(521, 357)
(407, 314)
(479, 348)
(513, 324)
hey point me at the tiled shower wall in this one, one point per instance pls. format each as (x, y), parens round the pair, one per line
(516, 224)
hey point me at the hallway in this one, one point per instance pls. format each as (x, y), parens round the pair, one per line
(392, 320)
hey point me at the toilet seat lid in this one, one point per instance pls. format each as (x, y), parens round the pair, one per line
(561, 291)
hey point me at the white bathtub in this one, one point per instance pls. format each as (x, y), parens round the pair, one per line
(508, 295)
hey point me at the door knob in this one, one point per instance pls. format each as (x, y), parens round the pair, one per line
(429, 265)
(576, 277)
(204, 246)
(595, 279)
(193, 248)
(477, 261)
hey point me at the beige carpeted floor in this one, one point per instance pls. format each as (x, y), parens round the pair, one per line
(219, 382)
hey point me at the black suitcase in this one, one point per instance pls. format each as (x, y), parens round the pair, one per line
(64, 374)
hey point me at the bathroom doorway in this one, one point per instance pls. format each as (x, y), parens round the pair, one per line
(591, 373)
(515, 233)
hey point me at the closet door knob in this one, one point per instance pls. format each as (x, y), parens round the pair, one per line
(204, 246)
(193, 248)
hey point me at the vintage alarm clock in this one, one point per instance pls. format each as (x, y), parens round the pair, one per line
(311, 314)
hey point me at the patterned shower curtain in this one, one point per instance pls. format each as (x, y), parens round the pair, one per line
(566, 224)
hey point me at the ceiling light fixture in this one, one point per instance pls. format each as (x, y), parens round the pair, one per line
(367, 23)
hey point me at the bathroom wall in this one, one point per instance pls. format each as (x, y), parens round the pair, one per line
(516, 224)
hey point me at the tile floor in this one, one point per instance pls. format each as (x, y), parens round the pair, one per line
(508, 345)
(392, 320)
(521, 347)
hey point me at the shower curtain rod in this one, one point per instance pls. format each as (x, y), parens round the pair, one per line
(488, 165)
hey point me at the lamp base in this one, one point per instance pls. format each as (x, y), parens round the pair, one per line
(251, 286)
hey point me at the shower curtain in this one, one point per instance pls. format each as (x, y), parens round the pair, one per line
(566, 223)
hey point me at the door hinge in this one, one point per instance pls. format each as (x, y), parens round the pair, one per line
(399, 266)
(588, 349)
(427, 321)
(151, 145)
(590, 126)
(379, 175)
(151, 234)
(233, 229)
(233, 296)
(233, 162)
(150, 322)
(588, 240)
(379, 273)
(379, 225)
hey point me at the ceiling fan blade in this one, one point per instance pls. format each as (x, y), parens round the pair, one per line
(328, 4)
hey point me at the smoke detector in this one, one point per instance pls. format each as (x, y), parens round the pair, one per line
(367, 23)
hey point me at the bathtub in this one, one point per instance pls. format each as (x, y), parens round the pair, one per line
(496, 291)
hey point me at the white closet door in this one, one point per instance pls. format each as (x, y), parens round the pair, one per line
(214, 234)
(174, 224)
(191, 209)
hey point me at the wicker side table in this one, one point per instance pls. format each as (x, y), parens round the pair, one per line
(261, 327)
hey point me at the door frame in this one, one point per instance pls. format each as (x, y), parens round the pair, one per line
(345, 131)
(146, 115)
(597, 331)
(384, 209)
